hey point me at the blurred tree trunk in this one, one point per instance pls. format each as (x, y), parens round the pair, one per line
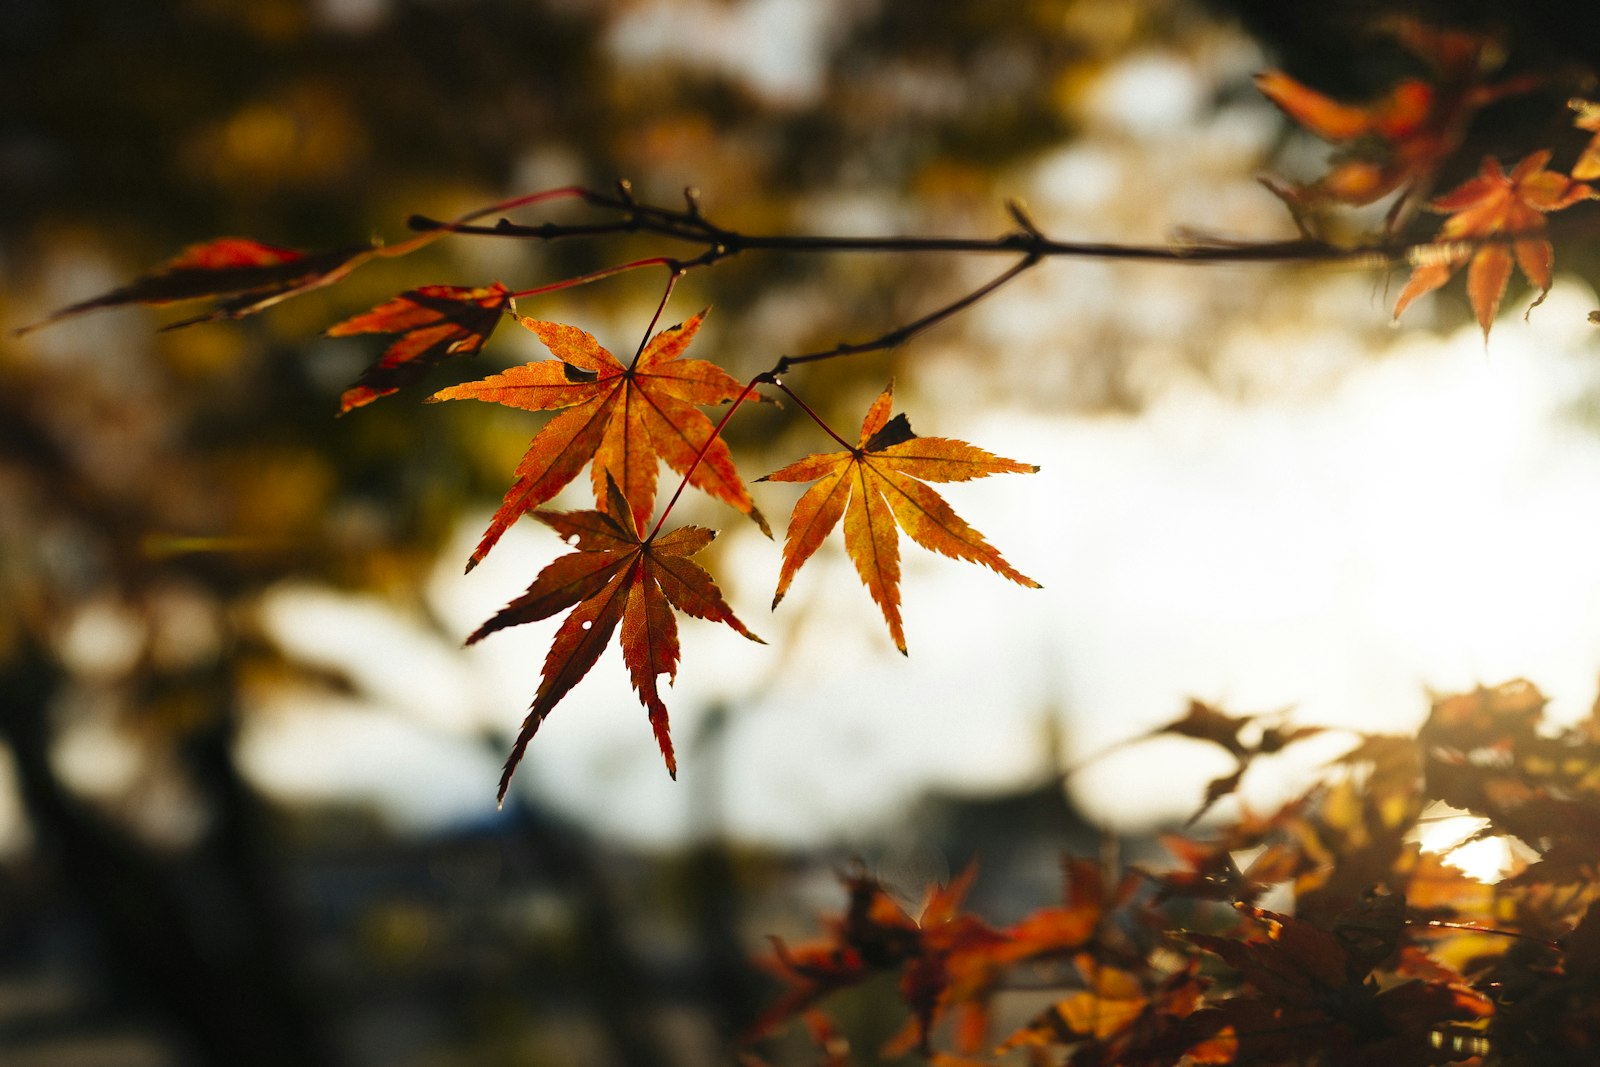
(225, 988)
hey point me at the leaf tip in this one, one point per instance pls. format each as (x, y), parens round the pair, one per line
(760, 521)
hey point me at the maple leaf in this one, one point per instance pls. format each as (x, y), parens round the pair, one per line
(431, 325)
(877, 484)
(1492, 204)
(245, 275)
(1397, 141)
(625, 418)
(1118, 1019)
(932, 954)
(613, 578)
(1209, 871)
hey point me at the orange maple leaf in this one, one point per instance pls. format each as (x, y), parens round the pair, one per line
(246, 275)
(626, 418)
(431, 324)
(879, 483)
(1397, 141)
(1493, 204)
(613, 578)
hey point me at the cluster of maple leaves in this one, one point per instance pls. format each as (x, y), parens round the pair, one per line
(1396, 145)
(1392, 956)
(623, 420)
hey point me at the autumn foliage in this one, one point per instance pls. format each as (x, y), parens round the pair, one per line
(613, 579)
(1390, 955)
(877, 484)
(626, 419)
(1319, 932)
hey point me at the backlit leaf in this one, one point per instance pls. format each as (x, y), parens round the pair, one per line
(625, 418)
(245, 275)
(1496, 217)
(879, 484)
(1397, 141)
(430, 325)
(613, 579)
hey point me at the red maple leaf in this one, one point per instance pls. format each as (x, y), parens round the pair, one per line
(625, 418)
(247, 276)
(431, 325)
(1493, 204)
(612, 579)
(880, 483)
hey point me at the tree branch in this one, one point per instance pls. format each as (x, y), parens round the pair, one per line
(690, 225)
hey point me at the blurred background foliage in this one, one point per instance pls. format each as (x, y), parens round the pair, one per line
(155, 906)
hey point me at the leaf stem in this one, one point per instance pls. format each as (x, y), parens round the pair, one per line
(565, 192)
(595, 276)
(772, 377)
(901, 334)
(716, 432)
(677, 271)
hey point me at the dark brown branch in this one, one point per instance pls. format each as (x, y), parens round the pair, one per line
(720, 244)
(901, 334)
(690, 225)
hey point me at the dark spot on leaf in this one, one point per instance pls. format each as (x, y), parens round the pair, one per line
(895, 431)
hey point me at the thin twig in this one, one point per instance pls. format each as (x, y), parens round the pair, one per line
(901, 334)
(807, 408)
